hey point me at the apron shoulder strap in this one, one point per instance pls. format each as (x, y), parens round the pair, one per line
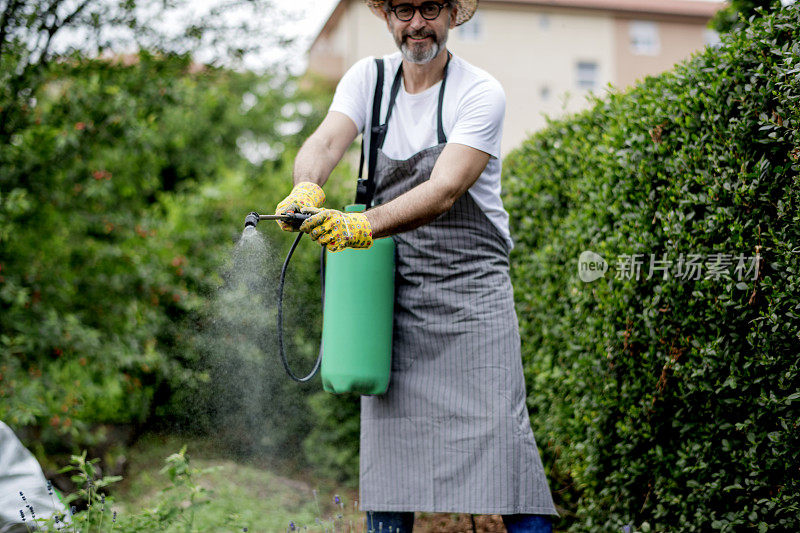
(439, 127)
(365, 189)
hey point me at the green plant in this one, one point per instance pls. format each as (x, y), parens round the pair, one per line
(239, 501)
(120, 202)
(669, 400)
(91, 485)
(735, 15)
(184, 488)
(176, 508)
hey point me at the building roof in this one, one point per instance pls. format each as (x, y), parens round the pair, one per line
(685, 8)
(696, 9)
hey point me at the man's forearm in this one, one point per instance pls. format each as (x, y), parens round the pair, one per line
(456, 169)
(314, 162)
(415, 208)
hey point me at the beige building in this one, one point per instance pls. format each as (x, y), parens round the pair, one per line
(547, 54)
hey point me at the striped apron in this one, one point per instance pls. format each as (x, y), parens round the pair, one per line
(452, 432)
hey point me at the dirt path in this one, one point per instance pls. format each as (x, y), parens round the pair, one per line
(449, 523)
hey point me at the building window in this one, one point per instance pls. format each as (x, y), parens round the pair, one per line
(587, 74)
(472, 30)
(644, 38)
(544, 92)
(544, 21)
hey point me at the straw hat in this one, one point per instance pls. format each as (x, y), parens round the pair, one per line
(466, 8)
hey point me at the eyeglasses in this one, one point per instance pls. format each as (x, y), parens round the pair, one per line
(428, 10)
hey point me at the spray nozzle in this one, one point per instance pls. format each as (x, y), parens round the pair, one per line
(251, 220)
(295, 220)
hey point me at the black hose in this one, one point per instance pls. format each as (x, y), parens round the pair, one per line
(280, 313)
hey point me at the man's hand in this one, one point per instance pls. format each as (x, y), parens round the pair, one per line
(304, 194)
(338, 230)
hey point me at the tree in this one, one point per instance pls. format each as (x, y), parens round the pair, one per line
(33, 33)
(123, 184)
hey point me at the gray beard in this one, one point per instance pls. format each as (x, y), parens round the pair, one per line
(422, 56)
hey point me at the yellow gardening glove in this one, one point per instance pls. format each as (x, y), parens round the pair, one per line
(304, 194)
(338, 230)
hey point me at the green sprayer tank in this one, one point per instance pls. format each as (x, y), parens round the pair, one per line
(357, 318)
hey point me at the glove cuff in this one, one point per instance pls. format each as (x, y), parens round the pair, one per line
(362, 232)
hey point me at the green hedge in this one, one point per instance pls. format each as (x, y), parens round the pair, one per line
(669, 404)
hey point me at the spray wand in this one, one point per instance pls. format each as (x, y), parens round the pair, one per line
(295, 220)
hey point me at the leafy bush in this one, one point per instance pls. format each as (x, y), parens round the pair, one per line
(669, 402)
(735, 14)
(122, 193)
(332, 444)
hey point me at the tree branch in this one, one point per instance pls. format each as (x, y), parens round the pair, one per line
(8, 13)
(56, 26)
(49, 11)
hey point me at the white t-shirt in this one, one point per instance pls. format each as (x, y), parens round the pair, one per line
(472, 114)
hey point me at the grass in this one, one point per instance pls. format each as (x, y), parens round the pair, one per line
(259, 496)
(241, 495)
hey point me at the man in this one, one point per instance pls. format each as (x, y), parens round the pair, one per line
(452, 433)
